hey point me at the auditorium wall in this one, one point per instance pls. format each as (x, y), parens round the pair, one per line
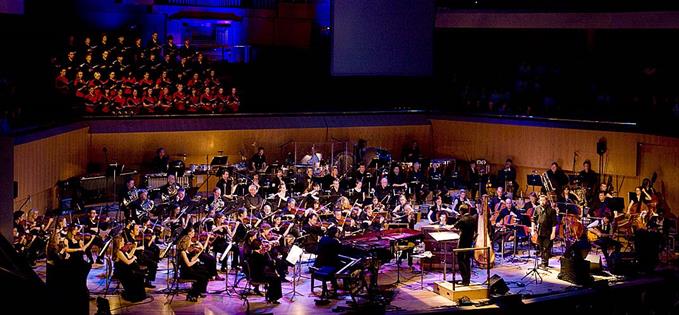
(39, 164)
(630, 156)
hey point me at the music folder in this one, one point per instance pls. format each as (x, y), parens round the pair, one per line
(444, 236)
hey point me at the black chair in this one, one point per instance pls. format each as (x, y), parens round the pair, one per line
(324, 274)
(176, 280)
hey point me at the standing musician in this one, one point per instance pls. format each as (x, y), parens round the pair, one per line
(467, 227)
(253, 201)
(544, 224)
(411, 153)
(398, 180)
(91, 225)
(127, 270)
(258, 161)
(557, 177)
(160, 161)
(589, 180)
(190, 265)
(507, 176)
(416, 183)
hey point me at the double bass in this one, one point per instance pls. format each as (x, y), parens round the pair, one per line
(482, 257)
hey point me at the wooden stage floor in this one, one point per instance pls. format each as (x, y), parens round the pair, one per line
(407, 296)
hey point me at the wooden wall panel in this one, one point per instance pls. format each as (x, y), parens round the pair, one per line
(40, 164)
(133, 149)
(534, 148)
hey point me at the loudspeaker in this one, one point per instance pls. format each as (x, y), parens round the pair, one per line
(601, 146)
(498, 285)
(594, 263)
(575, 271)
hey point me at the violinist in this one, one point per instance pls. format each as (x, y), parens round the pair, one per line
(75, 248)
(253, 201)
(277, 242)
(134, 236)
(337, 217)
(91, 225)
(399, 210)
(220, 243)
(190, 265)
(67, 281)
(266, 215)
(313, 227)
(237, 235)
(128, 271)
(58, 278)
(371, 220)
(290, 208)
(262, 269)
(209, 261)
(175, 220)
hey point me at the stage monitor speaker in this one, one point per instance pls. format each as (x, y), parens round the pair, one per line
(575, 271)
(498, 285)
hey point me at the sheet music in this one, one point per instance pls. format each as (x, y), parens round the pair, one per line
(294, 255)
(445, 236)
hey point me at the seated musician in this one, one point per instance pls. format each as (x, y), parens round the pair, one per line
(171, 187)
(499, 196)
(262, 269)
(237, 235)
(127, 270)
(280, 199)
(276, 241)
(335, 190)
(190, 265)
(328, 255)
(258, 161)
(443, 219)
(371, 220)
(182, 199)
(398, 180)
(507, 176)
(313, 226)
(434, 210)
(146, 256)
(637, 205)
(356, 194)
(312, 194)
(603, 229)
(600, 208)
(361, 174)
(225, 183)
(220, 242)
(290, 208)
(174, 222)
(75, 248)
(140, 208)
(407, 216)
(233, 100)
(92, 226)
(400, 208)
(383, 191)
(336, 218)
(331, 177)
(266, 215)
(253, 201)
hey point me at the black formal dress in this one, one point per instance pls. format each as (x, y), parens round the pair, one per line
(467, 225)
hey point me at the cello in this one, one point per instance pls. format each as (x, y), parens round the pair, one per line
(482, 257)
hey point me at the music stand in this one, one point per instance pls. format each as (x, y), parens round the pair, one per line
(295, 259)
(534, 180)
(113, 170)
(444, 237)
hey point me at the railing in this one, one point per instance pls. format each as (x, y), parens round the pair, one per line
(252, 4)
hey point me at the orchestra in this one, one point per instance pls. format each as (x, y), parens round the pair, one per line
(226, 231)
